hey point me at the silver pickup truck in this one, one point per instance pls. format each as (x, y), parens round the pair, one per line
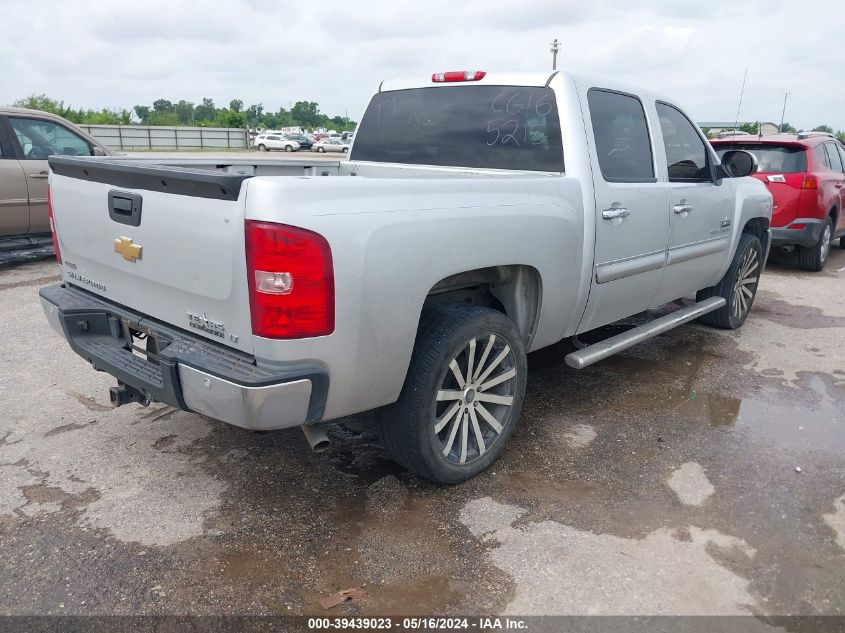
(479, 217)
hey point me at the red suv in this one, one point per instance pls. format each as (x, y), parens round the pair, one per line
(806, 177)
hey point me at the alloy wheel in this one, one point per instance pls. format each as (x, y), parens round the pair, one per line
(473, 405)
(746, 281)
(825, 245)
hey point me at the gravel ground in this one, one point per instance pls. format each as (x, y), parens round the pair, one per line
(702, 472)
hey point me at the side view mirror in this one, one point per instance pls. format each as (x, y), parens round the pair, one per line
(98, 151)
(737, 163)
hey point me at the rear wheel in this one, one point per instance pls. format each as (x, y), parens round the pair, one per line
(814, 257)
(462, 396)
(288, 148)
(320, 150)
(738, 286)
(262, 148)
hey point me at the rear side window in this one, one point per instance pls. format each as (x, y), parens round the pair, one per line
(621, 134)
(841, 155)
(821, 156)
(488, 127)
(686, 153)
(833, 157)
(771, 159)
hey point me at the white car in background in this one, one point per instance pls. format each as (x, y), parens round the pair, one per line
(330, 145)
(267, 142)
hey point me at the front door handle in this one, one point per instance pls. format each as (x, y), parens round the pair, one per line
(40, 174)
(682, 208)
(615, 212)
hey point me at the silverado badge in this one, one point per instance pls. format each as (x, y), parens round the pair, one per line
(131, 252)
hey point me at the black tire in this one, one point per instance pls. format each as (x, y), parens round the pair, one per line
(288, 148)
(813, 258)
(733, 314)
(408, 425)
(320, 150)
(262, 148)
(842, 242)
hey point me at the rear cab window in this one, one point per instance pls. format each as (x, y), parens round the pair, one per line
(485, 127)
(623, 145)
(771, 158)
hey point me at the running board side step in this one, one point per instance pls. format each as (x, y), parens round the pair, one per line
(599, 351)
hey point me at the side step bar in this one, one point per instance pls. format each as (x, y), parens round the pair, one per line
(615, 344)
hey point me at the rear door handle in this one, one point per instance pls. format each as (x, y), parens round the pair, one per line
(615, 212)
(683, 207)
(40, 174)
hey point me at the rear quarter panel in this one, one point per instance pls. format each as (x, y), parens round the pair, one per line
(392, 240)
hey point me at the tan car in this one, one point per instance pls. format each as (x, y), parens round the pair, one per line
(27, 138)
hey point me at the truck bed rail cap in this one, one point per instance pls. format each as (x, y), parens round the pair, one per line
(197, 183)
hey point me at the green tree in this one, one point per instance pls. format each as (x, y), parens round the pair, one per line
(823, 128)
(840, 136)
(254, 113)
(143, 113)
(227, 118)
(788, 128)
(236, 105)
(184, 112)
(306, 113)
(163, 118)
(751, 128)
(162, 105)
(205, 111)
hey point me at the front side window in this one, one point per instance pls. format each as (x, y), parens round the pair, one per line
(486, 127)
(686, 153)
(39, 139)
(621, 134)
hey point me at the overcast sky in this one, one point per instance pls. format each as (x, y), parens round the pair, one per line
(112, 53)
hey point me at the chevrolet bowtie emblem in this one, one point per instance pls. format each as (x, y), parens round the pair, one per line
(131, 252)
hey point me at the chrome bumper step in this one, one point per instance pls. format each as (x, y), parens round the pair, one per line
(599, 351)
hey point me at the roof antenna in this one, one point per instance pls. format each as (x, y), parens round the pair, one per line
(783, 112)
(741, 93)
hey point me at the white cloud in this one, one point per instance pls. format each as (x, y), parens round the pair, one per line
(95, 53)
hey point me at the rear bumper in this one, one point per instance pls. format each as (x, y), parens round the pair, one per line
(807, 236)
(190, 373)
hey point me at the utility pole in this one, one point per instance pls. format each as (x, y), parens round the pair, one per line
(555, 47)
(782, 112)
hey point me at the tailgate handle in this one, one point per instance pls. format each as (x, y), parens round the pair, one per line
(125, 207)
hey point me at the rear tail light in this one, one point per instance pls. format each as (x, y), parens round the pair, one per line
(809, 182)
(53, 227)
(458, 75)
(291, 281)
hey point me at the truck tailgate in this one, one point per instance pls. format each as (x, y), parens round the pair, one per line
(166, 242)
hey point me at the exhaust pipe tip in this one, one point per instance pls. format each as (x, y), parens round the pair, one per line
(317, 438)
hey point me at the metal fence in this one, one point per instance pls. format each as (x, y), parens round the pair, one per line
(159, 137)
